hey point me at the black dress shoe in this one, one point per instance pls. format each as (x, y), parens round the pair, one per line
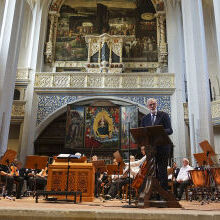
(108, 197)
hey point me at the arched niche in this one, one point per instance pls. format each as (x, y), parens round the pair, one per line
(17, 94)
(51, 134)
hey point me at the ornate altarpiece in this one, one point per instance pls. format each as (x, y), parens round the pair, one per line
(95, 45)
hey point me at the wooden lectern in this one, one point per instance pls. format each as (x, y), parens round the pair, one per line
(74, 174)
(152, 137)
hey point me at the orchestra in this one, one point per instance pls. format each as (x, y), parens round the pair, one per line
(110, 180)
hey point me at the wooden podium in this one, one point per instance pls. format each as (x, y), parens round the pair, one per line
(152, 137)
(81, 178)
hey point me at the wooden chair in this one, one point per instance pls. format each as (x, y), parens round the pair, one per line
(125, 191)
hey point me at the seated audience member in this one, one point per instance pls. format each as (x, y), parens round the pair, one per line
(10, 175)
(175, 170)
(182, 180)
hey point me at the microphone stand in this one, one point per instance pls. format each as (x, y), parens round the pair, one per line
(129, 165)
(129, 173)
(67, 176)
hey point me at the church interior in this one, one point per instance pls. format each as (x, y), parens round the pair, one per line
(75, 76)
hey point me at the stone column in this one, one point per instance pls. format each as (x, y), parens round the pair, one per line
(216, 4)
(197, 77)
(176, 65)
(212, 47)
(10, 39)
(37, 39)
(2, 8)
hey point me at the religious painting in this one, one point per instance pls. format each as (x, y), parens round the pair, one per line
(102, 127)
(74, 127)
(143, 46)
(70, 40)
(123, 17)
(129, 118)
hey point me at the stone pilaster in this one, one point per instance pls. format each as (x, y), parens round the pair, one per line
(2, 8)
(197, 77)
(216, 5)
(176, 66)
(10, 39)
(38, 29)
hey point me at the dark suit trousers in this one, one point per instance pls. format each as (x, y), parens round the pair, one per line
(162, 157)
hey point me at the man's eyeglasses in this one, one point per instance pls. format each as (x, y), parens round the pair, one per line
(152, 104)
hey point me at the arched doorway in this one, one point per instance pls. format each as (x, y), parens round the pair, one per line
(55, 138)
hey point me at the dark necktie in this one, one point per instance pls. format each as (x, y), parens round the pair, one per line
(152, 119)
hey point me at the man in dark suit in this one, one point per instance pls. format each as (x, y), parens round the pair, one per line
(156, 117)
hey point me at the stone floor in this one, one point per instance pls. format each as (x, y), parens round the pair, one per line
(26, 208)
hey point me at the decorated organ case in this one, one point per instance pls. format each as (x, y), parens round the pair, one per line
(81, 178)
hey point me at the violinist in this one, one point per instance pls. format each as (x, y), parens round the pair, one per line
(38, 181)
(10, 175)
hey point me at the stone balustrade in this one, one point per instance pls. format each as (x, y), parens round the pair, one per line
(215, 109)
(76, 80)
(18, 109)
(22, 75)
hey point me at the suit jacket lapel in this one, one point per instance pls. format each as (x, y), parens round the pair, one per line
(158, 117)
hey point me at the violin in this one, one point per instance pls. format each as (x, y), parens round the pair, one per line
(14, 171)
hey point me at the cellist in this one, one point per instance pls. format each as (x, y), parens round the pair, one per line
(138, 178)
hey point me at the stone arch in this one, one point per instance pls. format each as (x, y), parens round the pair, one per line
(62, 109)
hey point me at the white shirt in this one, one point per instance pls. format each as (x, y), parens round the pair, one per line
(183, 174)
(134, 170)
(138, 162)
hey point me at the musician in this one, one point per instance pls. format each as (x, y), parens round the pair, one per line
(117, 184)
(98, 177)
(10, 174)
(182, 180)
(38, 181)
(139, 163)
(156, 117)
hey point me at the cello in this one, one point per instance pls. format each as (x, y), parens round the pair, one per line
(139, 178)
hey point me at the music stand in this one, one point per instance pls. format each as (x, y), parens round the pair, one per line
(208, 150)
(8, 157)
(202, 159)
(152, 137)
(36, 162)
(119, 159)
(100, 166)
(112, 169)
